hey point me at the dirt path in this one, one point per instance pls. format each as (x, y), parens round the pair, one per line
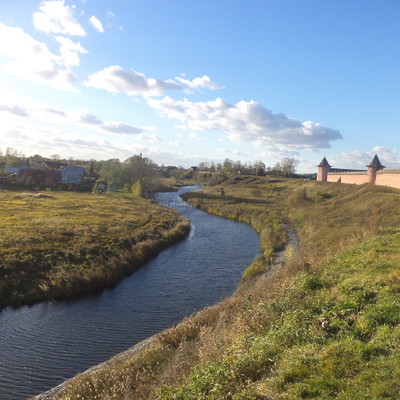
(293, 244)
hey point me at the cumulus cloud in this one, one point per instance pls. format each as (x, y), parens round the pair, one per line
(199, 83)
(247, 121)
(87, 118)
(84, 117)
(360, 159)
(32, 60)
(14, 109)
(70, 51)
(96, 24)
(56, 17)
(115, 79)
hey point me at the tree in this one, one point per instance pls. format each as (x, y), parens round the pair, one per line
(14, 158)
(228, 166)
(259, 167)
(286, 167)
(137, 168)
(111, 171)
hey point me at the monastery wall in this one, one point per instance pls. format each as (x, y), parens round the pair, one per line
(388, 177)
(375, 174)
(357, 178)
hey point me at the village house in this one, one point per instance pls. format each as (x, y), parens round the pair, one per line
(48, 174)
(375, 174)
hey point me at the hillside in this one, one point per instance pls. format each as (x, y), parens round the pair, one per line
(325, 325)
(60, 244)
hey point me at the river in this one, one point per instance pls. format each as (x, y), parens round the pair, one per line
(44, 344)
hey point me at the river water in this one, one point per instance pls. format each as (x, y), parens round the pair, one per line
(45, 344)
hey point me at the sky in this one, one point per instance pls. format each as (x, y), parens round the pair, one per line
(184, 82)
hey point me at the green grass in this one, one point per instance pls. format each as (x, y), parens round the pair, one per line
(327, 326)
(56, 245)
(329, 333)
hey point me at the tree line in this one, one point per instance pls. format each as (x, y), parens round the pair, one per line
(138, 173)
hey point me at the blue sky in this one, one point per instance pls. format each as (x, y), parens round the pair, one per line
(190, 81)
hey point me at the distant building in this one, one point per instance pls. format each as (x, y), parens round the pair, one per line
(15, 170)
(35, 177)
(72, 175)
(374, 174)
(42, 174)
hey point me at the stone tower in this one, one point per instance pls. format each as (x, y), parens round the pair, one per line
(374, 166)
(322, 170)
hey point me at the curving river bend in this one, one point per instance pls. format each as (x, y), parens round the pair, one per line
(45, 344)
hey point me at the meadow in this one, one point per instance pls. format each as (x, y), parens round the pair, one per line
(60, 244)
(326, 325)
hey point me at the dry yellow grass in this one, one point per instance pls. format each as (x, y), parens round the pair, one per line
(59, 244)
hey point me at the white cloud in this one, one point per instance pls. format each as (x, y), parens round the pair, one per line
(87, 118)
(115, 79)
(153, 139)
(96, 24)
(56, 17)
(248, 122)
(234, 152)
(14, 109)
(81, 117)
(194, 135)
(198, 83)
(360, 159)
(32, 60)
(70, 51)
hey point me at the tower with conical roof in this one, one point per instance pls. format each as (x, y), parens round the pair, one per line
(322, 170)
(374, 166)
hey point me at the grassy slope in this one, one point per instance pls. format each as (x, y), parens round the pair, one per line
(325, 326)
(61, 244)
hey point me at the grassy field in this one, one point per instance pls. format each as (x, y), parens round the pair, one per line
(325, 326)
(59, 244)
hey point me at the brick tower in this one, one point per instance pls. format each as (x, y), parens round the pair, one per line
(374, 166)
(322, 170)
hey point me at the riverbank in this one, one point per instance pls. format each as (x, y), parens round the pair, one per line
(156, 341)
(326, 325)
(57, 245)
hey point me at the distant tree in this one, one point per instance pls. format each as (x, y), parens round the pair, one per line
(286, 167)
(14, 158)
(237, 167)
(227, 166)
(259, 168)
(111, 171)
(204, 166)
(136, 168)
